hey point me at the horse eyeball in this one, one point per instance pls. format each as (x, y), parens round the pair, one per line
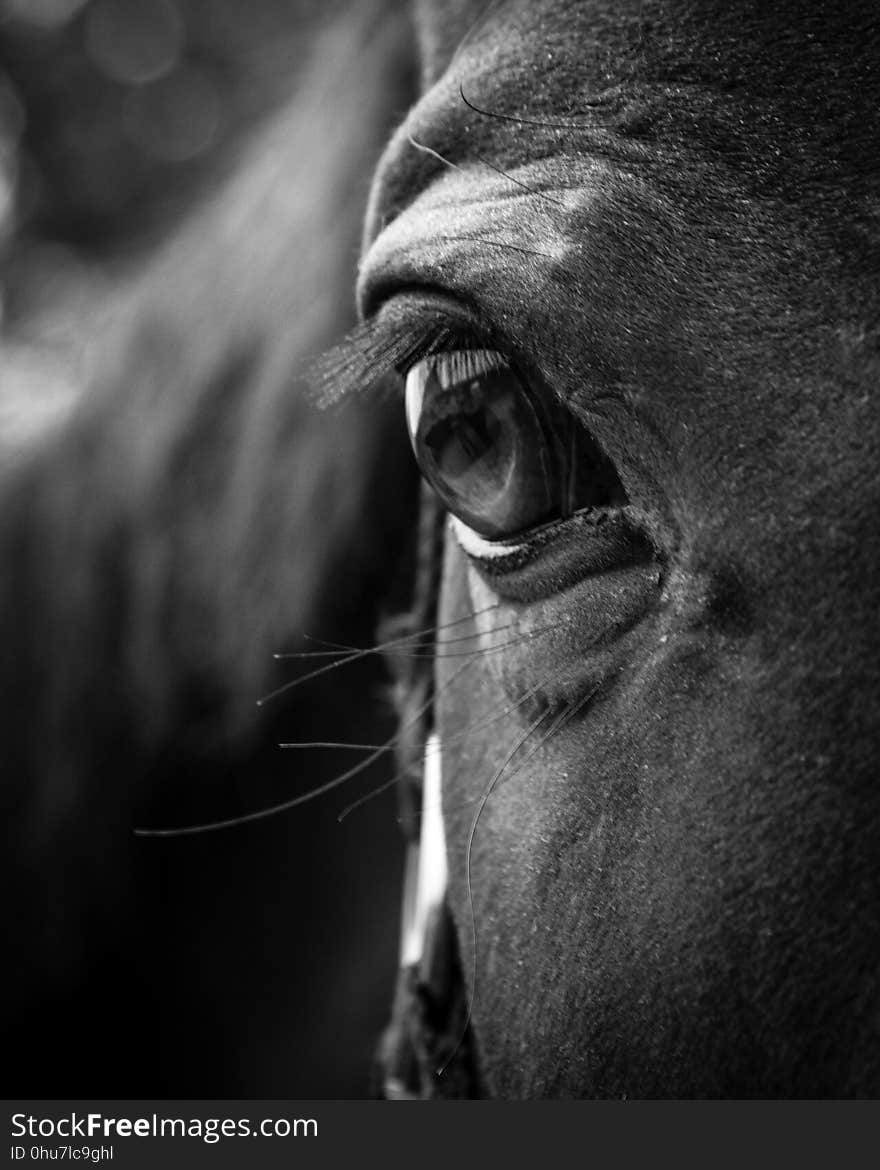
(501, 459)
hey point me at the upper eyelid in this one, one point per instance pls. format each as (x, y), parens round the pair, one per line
(405, 324)
(403, 330)
(467, 326)
(395, 305)
(417, 324)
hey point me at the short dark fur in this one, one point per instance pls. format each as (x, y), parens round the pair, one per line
(680, 895)
(670, 211)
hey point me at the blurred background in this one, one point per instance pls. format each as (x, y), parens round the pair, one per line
(182, 188)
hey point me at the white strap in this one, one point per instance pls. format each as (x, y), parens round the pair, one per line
(424, 886)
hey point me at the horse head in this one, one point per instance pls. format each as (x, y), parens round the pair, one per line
(629, 253)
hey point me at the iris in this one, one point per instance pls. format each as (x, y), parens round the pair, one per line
(503, 457)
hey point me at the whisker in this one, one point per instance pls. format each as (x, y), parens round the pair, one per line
(517, 119)
(421, 146)
(480, 651)
(487, 240)
(519, 183)
(481, 724)
(487, 10)
(303, 798)
(433, 153)
(495, 713)
(340, 647)
(601, 139)
(358, 654)
(459, 736)
(329, 743)
(374, 792)
(490, 787)
(561, 721)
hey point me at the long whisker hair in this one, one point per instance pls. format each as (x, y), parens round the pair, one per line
(447, 162)
(305, 797)
(340, 648)
(488, 241)
(461, 736)
(381, 648)
(375, 751)
(557, 725)
(489, 789)
(424, 651)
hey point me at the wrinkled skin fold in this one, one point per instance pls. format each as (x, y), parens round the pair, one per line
(670, 213)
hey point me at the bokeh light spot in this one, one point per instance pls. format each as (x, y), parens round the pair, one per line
(47, 14)
(12, 115)
(8, 174)
(177, 118)
(134, 41)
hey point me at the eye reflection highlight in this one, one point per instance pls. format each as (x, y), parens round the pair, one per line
(502, 460)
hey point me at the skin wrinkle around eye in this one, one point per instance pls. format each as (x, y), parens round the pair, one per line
(678, 896)
(633, 298)
(439, 240)
(518, 257)
(436, 241)
(471, 206)
(475, 235)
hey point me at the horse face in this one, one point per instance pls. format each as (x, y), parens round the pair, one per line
(659, 770)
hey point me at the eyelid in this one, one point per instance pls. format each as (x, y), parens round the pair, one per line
(450, 368)
(482, 548)
(432, 323)
(404, 330)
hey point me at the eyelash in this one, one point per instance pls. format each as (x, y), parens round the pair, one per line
(503, 532)
(389, 343)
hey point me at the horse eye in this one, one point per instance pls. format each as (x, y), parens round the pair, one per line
(502, 458)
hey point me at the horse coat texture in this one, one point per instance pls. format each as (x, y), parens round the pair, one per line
(660, 796)
(668, 214)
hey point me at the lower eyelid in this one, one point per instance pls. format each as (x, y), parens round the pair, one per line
(479, 547)
(498, 557)
(559, 554)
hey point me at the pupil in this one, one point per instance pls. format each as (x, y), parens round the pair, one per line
(456, 443)
(480, 442)
(500, 458)
(474, 450)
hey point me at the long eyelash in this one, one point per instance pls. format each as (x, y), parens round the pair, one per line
(379, 347)
(461, 365)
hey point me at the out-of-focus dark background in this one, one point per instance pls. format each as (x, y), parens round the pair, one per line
(182, 185)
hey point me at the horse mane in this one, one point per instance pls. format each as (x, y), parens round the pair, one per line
(160, 544)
